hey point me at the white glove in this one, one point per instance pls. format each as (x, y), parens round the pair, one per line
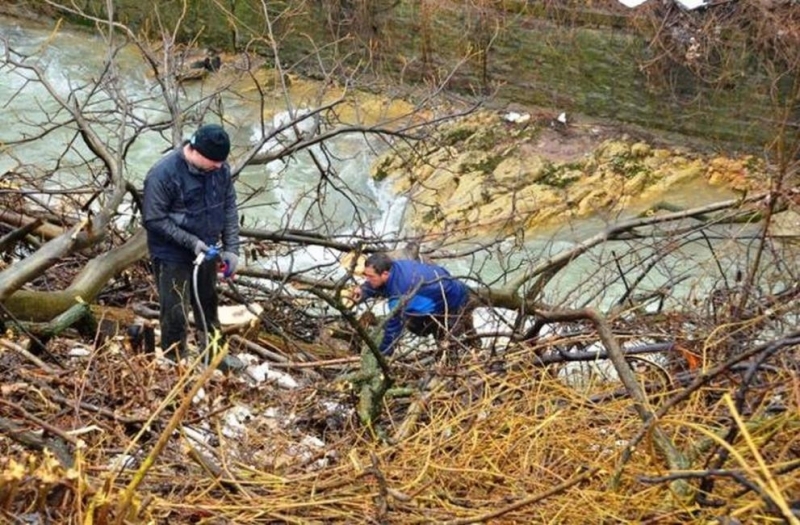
(200, 247)
(231, 262)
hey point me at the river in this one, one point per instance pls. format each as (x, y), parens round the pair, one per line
(350, 205)
(282, 194)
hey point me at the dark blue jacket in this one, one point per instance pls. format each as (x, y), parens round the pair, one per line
(182, 205)
(435, 292)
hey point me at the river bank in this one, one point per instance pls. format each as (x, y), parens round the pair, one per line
(706, 73)
(521, 169)
(94, 430)
(501, 173)
(518, 168)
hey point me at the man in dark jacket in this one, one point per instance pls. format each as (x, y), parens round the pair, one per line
(424, 298)
(189, 206)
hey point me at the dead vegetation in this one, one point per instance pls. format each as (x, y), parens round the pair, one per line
(118, 437)
(657, 409)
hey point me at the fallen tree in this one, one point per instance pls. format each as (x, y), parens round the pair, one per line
(506, 433)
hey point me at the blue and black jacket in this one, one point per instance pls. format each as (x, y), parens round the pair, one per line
(416, 289)
(182, 205)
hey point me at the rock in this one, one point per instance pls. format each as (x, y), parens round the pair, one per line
(641, 149)
(485, 177)
(611, 150)
(733, 173)
(209, 63)
(690, 170)
(468, 193)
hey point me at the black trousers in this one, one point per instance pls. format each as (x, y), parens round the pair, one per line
(176, 294)
(452, 332)
(457, 324)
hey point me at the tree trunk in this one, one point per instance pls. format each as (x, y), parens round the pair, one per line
(41, 306)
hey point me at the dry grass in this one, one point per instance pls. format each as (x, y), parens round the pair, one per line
(516, 446)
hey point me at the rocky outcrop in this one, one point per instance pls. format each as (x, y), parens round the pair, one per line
(486, 176)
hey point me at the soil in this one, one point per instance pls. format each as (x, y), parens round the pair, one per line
(567, 143)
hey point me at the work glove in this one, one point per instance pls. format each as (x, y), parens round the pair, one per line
(200, 247)
(230, 262)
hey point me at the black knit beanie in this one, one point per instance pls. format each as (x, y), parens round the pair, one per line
(212, 142)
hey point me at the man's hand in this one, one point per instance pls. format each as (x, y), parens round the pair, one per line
(231, 262)
(200, 247)
(356, 294)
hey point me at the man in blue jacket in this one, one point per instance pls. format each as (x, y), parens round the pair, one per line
(189, 206)
(424, 298)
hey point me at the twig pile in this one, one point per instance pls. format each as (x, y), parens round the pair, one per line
(502, 442)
